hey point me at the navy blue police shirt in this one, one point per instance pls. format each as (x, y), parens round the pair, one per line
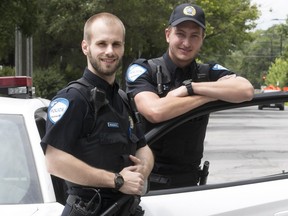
(69, 116)
(187, 154)
(139, 79)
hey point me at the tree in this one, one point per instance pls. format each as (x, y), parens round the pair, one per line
(18, 13)
(278, 73)
(47, 82)
(227, 21)
(255, 57)
(59, 29)
(228, 25)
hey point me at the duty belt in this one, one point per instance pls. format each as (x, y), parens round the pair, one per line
(192, 178)
(84, 206)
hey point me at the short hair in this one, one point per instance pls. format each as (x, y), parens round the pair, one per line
(107, 17)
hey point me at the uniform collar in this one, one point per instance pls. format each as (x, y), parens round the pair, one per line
(179, 73)
(95, 80)
(169, 63)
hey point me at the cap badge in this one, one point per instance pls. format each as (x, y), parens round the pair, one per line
(189, 11)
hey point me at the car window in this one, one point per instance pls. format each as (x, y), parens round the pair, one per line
(18, 176)
(246, 143)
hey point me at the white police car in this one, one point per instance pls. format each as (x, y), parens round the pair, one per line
(27, 189)
(25, 185)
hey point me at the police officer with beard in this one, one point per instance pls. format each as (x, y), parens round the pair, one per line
(91, 140)
(171, 85)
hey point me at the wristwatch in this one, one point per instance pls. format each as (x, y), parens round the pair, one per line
(188, 85)
(118, 180)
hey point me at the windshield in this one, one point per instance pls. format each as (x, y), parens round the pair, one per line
(18, 176)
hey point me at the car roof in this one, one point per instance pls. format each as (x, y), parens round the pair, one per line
(21, 106)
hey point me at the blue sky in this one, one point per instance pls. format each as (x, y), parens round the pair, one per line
(271, 10)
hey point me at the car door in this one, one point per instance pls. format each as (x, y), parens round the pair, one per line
(251, 193)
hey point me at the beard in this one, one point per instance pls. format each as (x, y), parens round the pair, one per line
(107, 71)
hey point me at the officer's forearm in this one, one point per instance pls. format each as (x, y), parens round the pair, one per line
(231, 89)
(66, 166)
(147, 159)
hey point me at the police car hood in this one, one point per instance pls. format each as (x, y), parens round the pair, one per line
(47, 209)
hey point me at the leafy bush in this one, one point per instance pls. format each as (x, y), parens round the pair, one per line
(278, 73)
(48, 81)
(7, 71)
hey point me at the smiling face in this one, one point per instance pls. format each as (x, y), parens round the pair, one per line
(104, 47)
(185, 41)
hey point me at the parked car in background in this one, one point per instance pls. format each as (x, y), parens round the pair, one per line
(269, 89)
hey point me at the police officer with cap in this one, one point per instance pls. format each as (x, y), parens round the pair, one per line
(173, 84)
(91, 140)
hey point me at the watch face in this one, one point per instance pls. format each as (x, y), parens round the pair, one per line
(119, 181)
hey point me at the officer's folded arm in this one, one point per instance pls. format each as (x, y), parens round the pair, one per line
(156, 109)
(70, 168)
(231, 88)
(146, 160)
(145, 164)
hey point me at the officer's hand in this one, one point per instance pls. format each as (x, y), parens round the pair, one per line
(133, 181)
(178, 92)
(138, 163)
(140, 167)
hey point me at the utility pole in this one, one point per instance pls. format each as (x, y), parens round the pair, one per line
(25, 69)
(18, 52)
(29, 56)
(281, 43)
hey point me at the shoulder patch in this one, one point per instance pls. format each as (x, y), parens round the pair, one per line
(134, 71)
(218, 67)
(57, 108)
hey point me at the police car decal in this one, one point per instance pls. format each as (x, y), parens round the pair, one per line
(57, 108)
(218, 67)
(134, 71)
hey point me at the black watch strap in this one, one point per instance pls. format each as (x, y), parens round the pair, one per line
(189, 88)
(118, 180)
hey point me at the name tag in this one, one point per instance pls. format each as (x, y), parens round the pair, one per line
(113, 124)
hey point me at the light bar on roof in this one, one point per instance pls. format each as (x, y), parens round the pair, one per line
(15, 81)
(16, 86)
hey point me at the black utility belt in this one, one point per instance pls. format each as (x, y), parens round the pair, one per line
(175, 179)
(126, 205)
(87, 192)
(81, 206)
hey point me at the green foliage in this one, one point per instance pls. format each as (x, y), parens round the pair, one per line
(58, 38)
(228, 25)
(145, 21)
(255, 57)
(7, 71)
(17, 13)
(278, 73)
(57, 28)
(70, 73)
(48, 81)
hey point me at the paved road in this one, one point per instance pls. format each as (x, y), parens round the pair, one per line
(246, 142)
